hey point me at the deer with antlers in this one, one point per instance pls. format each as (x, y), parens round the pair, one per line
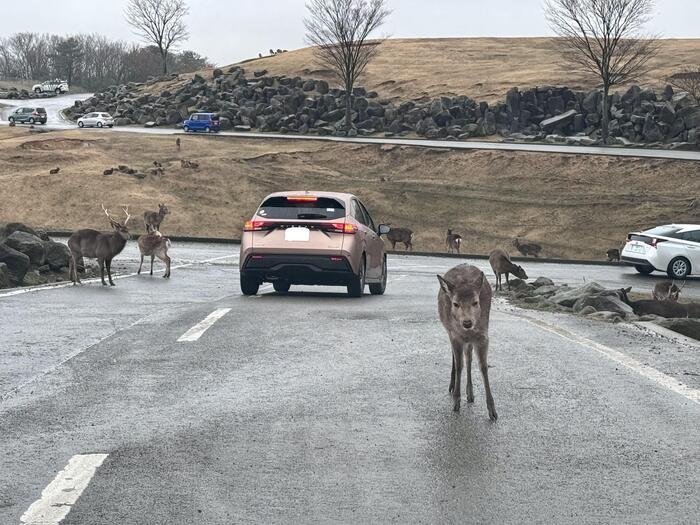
(98, 245)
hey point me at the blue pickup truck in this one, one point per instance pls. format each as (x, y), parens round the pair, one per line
(207, 122)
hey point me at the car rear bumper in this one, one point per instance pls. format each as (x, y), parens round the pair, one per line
(298, 269)
(637, 261)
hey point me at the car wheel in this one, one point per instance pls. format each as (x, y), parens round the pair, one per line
(207, 130)
(186, 129)
(678, 268)
(11, 119)
(81, 125)
(356, 288)
(644, 270)
(380, 288)
(37, 90)
(58, 91)
(31, 120)
(249, 286)
(281, 286)
(99, 124)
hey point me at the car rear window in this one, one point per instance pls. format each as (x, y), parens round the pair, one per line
(40, 110)
(322, 208)
(663, 231)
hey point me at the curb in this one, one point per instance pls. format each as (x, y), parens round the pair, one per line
(218, 240)
(668, 333)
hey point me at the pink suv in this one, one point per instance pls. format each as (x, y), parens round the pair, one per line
(313, 238)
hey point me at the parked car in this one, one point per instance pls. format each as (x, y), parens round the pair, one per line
(674, 249)
(97, 119)
(206, 122)
(28, 115)
(57, 86)
(313, 238)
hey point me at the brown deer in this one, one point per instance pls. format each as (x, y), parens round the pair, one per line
(453, 242)
(54, 171)
(613, 255)
(153, 219)
(668, 309)
(403, 235)
(97, 245)
(666, 291)
(178, 143)
(527, 248)
(155, 245)
(464, 304)
(501, 264)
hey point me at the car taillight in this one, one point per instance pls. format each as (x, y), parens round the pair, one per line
(257, 226)
(339, 227)
(35, 114)
(654, 242)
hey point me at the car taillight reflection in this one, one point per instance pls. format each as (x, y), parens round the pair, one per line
(257, 226)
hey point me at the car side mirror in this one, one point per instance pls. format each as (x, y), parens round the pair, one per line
(384, 229)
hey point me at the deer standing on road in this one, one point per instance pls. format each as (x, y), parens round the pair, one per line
(403, 235)
(501, 264)
(153, 219)
(666, 291)
(527, 248)
(155, 245)
(97, 245)
(464, 304)
(453, 242)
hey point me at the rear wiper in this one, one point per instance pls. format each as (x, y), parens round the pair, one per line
(311, 216)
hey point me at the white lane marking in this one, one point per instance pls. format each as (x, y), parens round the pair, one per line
(21, 291)
(644, 370)
(194, 333)
(58, 498)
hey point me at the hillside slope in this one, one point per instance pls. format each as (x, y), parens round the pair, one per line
(576, 206)
(482, 68)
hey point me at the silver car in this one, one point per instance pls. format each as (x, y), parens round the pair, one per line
(97, 120)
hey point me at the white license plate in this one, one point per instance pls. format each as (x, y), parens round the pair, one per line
(297, 234)
(635, 248)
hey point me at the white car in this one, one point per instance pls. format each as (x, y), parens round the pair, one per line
(98, 120)
(56, 86)
(674, 249)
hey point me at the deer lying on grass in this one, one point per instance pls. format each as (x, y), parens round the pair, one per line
(666, 291)
(97, 245)
(668, 309)
(527, 248)
(464, 303)
(153, 219)
(403, 235)
(54, 171)
(453, 242)
(501, 264)
(189, 164)
(155, 245)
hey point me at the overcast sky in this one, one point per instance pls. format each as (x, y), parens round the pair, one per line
(230, 30)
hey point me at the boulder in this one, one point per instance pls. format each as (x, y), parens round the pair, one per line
(568, 297)
(542, 281)
(559, 121)
(604, 303)
(686, 327)
(12, 227)
(5, 281)
(28, 244)
(17, 263)
(217, 73)
(57, 255)
(652, 131)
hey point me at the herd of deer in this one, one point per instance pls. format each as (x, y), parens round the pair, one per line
(104, 247)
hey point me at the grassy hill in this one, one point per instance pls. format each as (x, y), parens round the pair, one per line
(576, 206)
(483, 68)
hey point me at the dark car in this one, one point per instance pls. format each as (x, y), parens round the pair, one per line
(206, 122)
(28, 116)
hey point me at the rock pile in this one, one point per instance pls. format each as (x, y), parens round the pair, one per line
(28, 257)
(283, 104)
(23, 94)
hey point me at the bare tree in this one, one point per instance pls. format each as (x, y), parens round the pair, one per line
(339, 30)
(687, 80)
(605, 38)
(159, 22)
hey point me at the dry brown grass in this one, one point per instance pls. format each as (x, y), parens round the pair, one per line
(576, 206)
(483, 68)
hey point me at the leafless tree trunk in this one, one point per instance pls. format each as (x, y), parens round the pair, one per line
(339, 30)
(604, 38)
(687, 80)
(159, 22)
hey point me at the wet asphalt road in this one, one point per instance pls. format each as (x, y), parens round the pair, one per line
(315, 408)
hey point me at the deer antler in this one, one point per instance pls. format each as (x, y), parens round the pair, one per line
(126, 212)
(109, 216)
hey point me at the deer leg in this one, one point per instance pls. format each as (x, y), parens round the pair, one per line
(102, 271)
(508, 280)
(140, 265)
(393, 246)
(109, 271)
(458, 361)
(166, 258)
(152, 259)
(452, 375)
(470, 387)
(482, 350)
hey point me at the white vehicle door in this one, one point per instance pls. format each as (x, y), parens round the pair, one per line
(694, 251)
(91, 119)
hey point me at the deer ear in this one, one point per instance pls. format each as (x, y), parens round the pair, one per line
(628, 290)
(446, 285)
